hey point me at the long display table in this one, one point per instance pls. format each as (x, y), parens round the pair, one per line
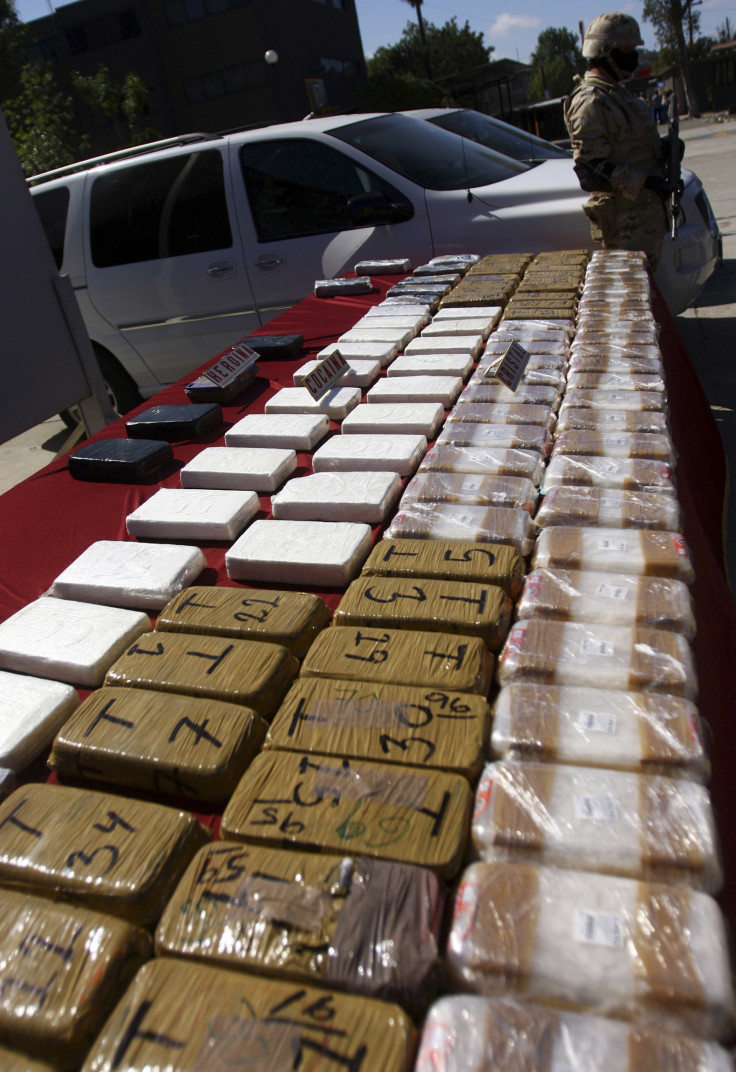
(49, 519)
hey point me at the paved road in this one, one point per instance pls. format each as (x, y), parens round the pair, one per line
(706, 328)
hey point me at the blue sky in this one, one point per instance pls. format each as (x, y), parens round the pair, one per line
(513, 29)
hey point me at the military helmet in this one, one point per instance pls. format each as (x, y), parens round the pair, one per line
(608, 31)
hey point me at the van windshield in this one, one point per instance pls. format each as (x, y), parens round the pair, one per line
(426, 154)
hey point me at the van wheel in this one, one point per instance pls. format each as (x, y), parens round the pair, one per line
(120, 386)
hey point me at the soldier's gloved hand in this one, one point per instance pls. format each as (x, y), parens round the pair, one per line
(666, 147)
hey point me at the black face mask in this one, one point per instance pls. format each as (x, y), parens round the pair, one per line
(625, 61)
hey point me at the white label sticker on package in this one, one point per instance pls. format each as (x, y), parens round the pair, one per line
(599, 928)
(598, 807)
(611, 591)
(591, 646)
(613, 545)
(597, 722)
(616, 416)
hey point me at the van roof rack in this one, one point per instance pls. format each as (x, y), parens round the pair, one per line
(120, 154)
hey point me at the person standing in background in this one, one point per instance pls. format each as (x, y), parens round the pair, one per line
(619, 155)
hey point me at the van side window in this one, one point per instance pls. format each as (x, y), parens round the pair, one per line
(162, 208)
(300, 187)
(52, 206)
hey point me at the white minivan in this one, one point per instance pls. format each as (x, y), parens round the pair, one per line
(177, 249)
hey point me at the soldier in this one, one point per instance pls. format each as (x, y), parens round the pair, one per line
(619, 155)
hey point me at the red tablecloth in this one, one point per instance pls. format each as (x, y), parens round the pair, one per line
(49, 519)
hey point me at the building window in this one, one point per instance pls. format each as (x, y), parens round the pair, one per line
(109, 30)
(179, 12)
(216, 84)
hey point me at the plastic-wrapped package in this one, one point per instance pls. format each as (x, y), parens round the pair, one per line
(376, 333)
(181, 1015)
(598, 359)
(383, 352)
(175, 423)
(402, 389)
(637, 731)
(612, 598)
(67, 640)
(445, 344)
(249, 672)
(449, 521)
(533, 377)
(431, 365)
(326, 288)
(113, 854)
(260, 469)
(619, 420)
(418, 727)
(607, 400)
(292, 431)
(401, 657)
(158, 741)
(444, 326)
(471, 608)
(199, 514)
(398, 418)
(291, 619)
(335, 403)
(634, 551)
(120, 573)
(32, 709)
(499, 342)
(312, 918)
(64, 969)
(502, 413)
(489, 393)
(600, 656)
(486, 461)
(592, 819)
(470, 1033)
(614, 381)
(455, 560)
(615, 444)
(623, 474)
(363, 496)
(314, 803)
(579, 940)
(528, 329)
(383, 267)
(305, 553)
(378, 453)
(510, 436)
(471, 489)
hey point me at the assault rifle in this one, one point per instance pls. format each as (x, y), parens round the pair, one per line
(673, 164)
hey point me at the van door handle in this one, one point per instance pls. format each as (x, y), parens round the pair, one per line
(221, 270)
(270, 262)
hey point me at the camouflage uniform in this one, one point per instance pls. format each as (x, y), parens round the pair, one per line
(607, 122)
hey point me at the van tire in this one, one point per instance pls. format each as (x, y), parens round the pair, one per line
(120, 386)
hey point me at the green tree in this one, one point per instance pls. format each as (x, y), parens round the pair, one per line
(672, 21)
(119, 100)
(417, 5)
(40, 120)
(555, 62)
(12, 46)
(450, 48)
